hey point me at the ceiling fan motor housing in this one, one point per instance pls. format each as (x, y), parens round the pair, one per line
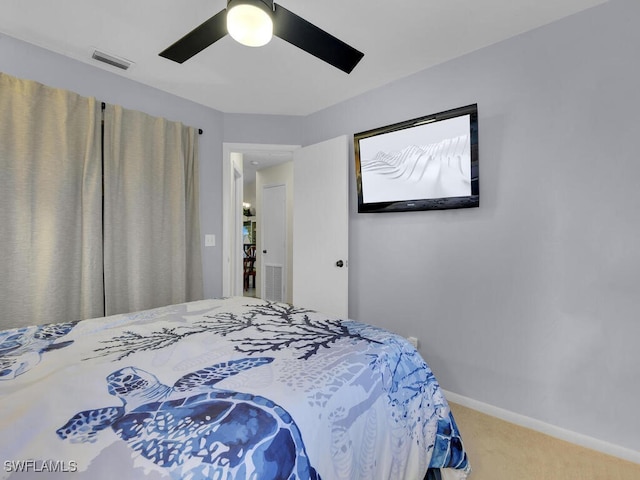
(250, 22)
(266, 5)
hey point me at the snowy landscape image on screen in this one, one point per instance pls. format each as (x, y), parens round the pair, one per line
(422, 162)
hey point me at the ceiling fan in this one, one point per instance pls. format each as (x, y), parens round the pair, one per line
(253, 22)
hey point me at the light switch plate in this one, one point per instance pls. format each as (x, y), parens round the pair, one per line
(209, 240)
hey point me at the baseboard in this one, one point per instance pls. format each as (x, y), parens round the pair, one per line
(546, 428)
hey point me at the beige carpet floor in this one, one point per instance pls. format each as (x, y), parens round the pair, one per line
(500, 450)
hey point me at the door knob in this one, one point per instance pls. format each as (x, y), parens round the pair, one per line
(264, 251)
(340, 264)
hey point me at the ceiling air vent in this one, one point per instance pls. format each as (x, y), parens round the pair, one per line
(111, 60)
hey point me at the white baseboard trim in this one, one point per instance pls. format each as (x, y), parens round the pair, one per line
(546, 428)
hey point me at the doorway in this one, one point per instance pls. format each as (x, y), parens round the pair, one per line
(319, 242)
(252, 158)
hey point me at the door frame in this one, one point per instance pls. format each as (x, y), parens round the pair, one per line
(231, 249)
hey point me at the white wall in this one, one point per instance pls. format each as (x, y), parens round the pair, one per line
(23, 60)
(530, 302)
(249, 194)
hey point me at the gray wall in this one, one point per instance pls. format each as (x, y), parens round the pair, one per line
(23, 60)
(531, 302)
(262, 129)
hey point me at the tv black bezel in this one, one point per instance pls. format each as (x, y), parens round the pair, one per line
(418, 204)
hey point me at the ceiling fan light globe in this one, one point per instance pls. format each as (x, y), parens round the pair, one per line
(249, 24)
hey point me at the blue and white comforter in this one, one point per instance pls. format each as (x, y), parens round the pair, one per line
(223, 389)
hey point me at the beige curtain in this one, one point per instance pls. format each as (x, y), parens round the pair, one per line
(151, 220)
(50, 205)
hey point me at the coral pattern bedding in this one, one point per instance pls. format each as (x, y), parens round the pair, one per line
(234, 388)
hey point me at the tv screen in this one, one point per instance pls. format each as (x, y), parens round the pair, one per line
(427, 163)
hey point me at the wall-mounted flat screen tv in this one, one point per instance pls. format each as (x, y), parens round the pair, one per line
(427, 163)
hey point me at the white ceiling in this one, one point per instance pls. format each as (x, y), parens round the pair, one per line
(398, 38)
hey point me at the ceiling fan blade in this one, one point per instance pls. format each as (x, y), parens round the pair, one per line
(198, 39)
(297, 31)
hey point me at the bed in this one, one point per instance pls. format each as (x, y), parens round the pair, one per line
(233, 388)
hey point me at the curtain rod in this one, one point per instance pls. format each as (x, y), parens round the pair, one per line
(104, 105)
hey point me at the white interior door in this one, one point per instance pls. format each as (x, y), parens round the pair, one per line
(274, 242)
(321, 227)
